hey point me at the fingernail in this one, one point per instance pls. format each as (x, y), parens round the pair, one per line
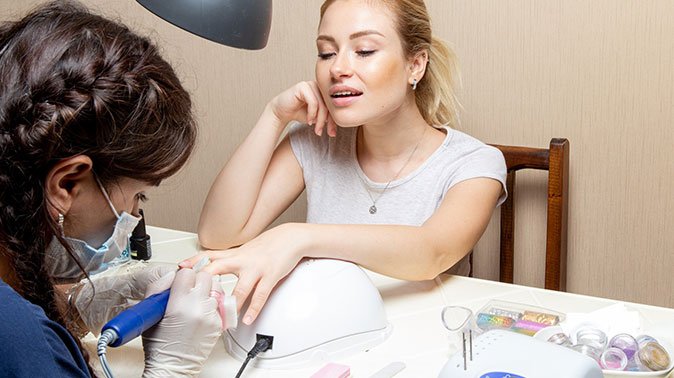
(248, 320)
(201, 263)
(184, 264)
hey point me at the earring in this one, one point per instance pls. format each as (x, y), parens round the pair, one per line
(60, 220)
(414, 85)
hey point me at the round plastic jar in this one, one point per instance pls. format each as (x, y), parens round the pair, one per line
(591, 336)
(588, 350)
(652, 357)
(613, 359)
(626, 343)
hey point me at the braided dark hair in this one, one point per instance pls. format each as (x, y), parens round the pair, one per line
(74, 83)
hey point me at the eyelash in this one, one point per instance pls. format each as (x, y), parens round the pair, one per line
(365, 53)
(325, 56)
(361, 53)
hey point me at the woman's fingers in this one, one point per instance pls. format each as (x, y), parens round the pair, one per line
(183, 282)
(322, 116)
(307, 96)
(160, 285)
(303, 102)
(203, 283)
(244, 286)
(258, 300)
(192, 261)
(332, 127)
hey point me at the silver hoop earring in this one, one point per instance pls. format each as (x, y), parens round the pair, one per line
(414, 85)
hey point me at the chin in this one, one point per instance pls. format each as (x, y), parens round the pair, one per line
(348, 125)
(347, 120)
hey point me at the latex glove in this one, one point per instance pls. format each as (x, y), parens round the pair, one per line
(181, 342)
(113, 291)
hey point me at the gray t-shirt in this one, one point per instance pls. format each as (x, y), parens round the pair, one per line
(337, 189)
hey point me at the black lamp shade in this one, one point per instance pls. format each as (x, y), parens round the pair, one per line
(238, 23)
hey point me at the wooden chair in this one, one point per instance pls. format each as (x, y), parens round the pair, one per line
(555, 160)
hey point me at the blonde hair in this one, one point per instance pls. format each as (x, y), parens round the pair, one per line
(436, 92)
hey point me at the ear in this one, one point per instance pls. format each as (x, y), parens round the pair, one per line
(65, 181)
(417, 66)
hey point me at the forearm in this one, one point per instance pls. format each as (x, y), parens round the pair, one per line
(404, 252)
(234, 193)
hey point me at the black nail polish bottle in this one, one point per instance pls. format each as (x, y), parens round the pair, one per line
(140, 241)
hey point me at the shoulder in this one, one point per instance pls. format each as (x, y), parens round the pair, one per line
(39, 346)
(473, 158)
(468, 146)
(302, 138)
(467, 150)
(311, 148)
(17, 315)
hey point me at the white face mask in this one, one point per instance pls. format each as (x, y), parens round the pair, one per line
(64, 269)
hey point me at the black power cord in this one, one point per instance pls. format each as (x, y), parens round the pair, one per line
(263, 344)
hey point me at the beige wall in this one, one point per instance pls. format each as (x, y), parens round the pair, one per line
(598, 72)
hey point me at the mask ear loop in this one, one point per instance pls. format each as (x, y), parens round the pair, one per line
(107, 197)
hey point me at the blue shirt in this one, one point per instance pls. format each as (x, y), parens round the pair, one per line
(32, 345)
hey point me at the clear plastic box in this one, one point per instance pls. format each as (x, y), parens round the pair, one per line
(522, 318)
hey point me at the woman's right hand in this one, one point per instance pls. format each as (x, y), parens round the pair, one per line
(303, 102)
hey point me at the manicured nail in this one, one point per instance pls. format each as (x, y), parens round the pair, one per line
(201, 263)
(248, 320)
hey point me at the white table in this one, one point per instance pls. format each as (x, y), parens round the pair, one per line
(413, 308)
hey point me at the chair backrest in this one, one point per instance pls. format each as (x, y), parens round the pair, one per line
(555, 160)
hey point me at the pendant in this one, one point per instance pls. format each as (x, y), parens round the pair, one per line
(373, 209)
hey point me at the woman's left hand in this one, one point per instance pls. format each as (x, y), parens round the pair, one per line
(105, 295)
(259, 264)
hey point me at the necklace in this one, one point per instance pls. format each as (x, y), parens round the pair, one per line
(373, 208)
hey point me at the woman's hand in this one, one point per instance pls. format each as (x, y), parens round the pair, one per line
(260, 264)
(106, 294)
(303, 102)
(179, 345)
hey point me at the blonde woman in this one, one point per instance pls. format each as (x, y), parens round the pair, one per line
(390, 184)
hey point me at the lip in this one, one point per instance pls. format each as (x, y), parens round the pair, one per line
(343, 88)
(344, 101)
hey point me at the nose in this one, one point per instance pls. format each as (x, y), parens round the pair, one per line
(341, 66)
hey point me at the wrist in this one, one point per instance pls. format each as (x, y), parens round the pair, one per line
(269, 116)
(303, 242)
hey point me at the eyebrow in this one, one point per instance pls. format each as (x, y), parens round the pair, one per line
(352, 36)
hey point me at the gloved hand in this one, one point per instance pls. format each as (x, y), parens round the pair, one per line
(181, 342)
(116, 289)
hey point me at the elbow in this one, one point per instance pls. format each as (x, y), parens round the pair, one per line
(443, 259)
(208, 242)
(428, 270)
(220, 239)
(434, 270)
(212, 239)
